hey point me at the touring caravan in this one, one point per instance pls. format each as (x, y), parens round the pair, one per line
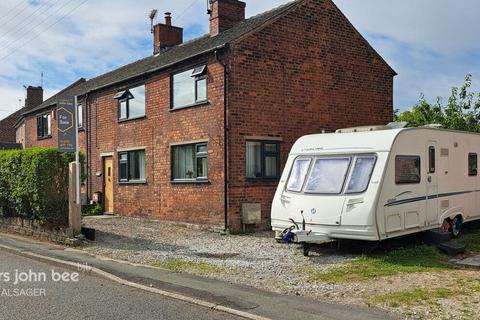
(377, 183)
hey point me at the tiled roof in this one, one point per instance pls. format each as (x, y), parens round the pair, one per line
(184, 51)
(7, 130)
(53, 99)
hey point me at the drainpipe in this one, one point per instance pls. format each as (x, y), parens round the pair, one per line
(87, 144)
(225, 136)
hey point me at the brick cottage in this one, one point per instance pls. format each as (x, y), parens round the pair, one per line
(199, 132)
(202, 129)
(39, 124)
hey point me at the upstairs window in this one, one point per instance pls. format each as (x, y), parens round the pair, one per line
(131, 103)
(190, 162)
(472, 164)
(80, 116)
(44, 125)
(262, 160)
(132, 166)
(189, 87)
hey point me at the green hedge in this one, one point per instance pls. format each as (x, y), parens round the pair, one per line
(34, 185)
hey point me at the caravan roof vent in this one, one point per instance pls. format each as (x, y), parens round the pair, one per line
(397, 125)
(433, 125)
(391, 125)
(362, 129)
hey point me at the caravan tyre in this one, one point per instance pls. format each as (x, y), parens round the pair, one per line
(456, 226)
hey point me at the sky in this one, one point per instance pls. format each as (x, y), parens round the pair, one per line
(432, 44)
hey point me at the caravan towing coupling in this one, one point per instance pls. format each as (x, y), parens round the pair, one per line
(376, 183)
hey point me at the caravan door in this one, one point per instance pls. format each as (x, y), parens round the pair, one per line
(432, 183)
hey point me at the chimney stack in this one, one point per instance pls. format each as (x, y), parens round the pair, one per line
(224, 14)
(165, 35)
(33, 97)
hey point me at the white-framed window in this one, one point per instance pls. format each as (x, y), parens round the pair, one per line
(190, 162)
(189, 87)
(44, 125)
(80, 115)
(131, 166)
(131, 103)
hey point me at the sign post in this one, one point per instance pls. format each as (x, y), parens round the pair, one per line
(68, 132)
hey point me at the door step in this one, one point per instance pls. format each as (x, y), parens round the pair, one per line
(452, 248)
(436, 237)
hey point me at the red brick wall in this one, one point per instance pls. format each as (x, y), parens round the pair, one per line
(306, 72)
(31, 139)
(7, 131)
(196, 203)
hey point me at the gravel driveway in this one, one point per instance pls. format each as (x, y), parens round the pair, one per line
(257, 261)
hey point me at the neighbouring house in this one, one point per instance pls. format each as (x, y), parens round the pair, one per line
(9, 137)
(38, 125)
(199, 132)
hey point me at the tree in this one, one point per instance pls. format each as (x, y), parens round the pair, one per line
(462, 111)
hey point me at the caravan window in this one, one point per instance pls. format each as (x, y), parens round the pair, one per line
(431, 159)
(328, 175)
(407, 169)
(361, 174)
(299, 172)
(472, 164)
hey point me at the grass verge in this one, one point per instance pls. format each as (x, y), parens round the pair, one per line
(416, 259)
(414, 296)
(471, 239)
(180, 265)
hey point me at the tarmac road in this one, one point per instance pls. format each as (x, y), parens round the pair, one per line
(85, 297)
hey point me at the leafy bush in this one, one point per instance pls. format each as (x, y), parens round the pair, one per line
(461, 112)
(34, 185)
(92, 209)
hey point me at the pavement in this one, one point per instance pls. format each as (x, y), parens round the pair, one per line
(471, 262)
(91, 297)
(217, 295)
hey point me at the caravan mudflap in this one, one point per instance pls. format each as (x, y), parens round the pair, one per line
(309, 236)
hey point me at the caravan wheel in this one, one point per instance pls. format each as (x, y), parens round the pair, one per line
(456, 226)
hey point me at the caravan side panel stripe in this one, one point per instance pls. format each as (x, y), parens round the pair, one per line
(422, 198)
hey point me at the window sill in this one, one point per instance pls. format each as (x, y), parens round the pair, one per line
(44, 138)
(132, 182)
(257, 180)
(132, 119)
(196, 104)
(190, 182)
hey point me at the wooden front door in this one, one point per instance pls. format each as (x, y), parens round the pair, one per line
(108, 184)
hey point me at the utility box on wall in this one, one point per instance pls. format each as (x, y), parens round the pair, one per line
(251, 213)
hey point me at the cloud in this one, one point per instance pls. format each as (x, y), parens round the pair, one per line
(430, 43)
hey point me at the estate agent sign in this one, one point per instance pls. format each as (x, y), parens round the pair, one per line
(67, 140)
